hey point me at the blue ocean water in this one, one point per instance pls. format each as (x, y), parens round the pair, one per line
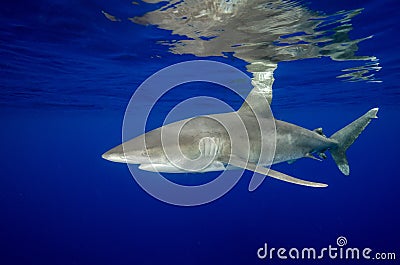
(67, 73)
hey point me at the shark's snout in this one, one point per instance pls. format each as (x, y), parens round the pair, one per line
(115, 155)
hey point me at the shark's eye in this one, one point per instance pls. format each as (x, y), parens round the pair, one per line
(144, 153)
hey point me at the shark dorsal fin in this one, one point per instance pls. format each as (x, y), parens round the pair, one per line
(260, 97)
(256, 103)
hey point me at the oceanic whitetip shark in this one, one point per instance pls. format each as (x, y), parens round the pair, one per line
(238, 139)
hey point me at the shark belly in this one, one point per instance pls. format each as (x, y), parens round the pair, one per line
(169, 168)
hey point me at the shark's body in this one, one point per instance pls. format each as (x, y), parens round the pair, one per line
(292, 143)
(240, 139)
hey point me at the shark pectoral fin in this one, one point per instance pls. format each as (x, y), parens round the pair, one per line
(287, 178)
(257, 179)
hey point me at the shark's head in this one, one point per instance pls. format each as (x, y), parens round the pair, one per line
(144, 149)
(115, 154)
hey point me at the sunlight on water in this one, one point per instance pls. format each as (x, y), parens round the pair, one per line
(261, 33)
(84, 56)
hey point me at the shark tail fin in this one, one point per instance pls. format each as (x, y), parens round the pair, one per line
(346, 137)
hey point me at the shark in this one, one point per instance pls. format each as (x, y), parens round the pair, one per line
(249, 138)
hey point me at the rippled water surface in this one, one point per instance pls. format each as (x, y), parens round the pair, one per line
(94, 54)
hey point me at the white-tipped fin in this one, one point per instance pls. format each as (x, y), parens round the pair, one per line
(312, 157)
(372, 113)
(346, 137)
(260, 96)
(256, 181)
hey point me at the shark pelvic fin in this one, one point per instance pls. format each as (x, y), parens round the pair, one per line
(312, 157)
(256, 181)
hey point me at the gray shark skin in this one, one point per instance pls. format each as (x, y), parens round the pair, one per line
(240, 139)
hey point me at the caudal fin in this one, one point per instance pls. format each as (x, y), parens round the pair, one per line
(346, 137)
